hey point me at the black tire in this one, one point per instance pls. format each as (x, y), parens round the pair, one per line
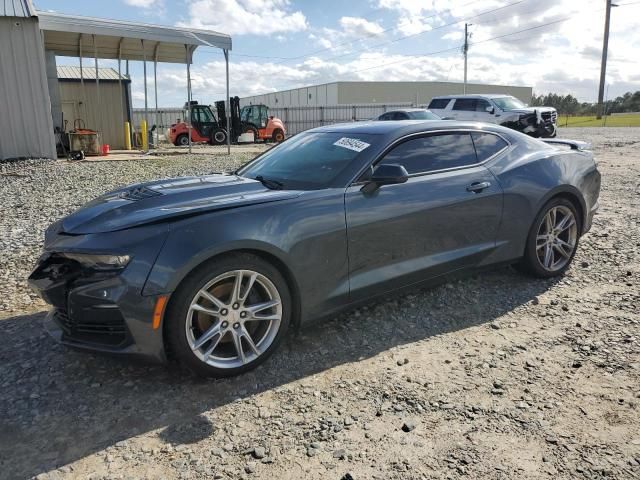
(176, 316)
(219, 137)
(277, 136)
(530, 262)
(182, 140)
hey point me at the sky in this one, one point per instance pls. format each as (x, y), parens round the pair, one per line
(551, 45)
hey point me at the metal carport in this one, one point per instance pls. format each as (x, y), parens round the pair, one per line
(77, 36)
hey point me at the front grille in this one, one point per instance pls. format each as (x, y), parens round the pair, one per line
(550, 117)
(101, 328)
(139, 193)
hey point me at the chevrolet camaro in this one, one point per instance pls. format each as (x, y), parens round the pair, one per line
(213, 270)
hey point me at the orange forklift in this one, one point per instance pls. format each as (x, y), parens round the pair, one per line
(211, 128)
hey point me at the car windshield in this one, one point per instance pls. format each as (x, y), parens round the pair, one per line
(508, 103)
(422, 115)
(308, 161)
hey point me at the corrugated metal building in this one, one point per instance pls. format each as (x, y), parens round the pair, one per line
(26, 127)
(78, 102)
(348, 93)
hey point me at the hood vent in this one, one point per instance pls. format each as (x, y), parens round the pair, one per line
(139, 193)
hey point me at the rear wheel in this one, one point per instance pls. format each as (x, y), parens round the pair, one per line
(278, 136)
(182, 140)
(553, 239)
(228, 316)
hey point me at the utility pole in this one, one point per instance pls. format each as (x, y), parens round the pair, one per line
(603, 66)
(465, 49)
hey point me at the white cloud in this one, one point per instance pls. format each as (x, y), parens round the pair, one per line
(359, 27)
(239, 17)
(143, 3)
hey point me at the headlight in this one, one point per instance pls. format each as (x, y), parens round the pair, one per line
(99, 262)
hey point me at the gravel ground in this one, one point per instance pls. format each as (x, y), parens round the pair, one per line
(494, 376)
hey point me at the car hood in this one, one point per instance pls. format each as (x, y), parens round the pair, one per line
(532, 109)
(161, 200)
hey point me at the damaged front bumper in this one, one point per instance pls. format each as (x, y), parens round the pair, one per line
(536, 124)
(103, 311)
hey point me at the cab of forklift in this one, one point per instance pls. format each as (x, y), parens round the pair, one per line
(256, 115)
(203, 119)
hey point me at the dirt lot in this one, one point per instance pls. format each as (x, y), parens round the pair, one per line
(492, 377)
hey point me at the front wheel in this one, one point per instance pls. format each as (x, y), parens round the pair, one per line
(553, 239)
(228, 316)
(219, 137)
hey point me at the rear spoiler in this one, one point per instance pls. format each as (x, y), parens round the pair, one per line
(574, 144)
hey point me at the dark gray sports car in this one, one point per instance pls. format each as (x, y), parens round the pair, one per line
(213, 270)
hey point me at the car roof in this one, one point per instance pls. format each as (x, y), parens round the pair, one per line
(408, 109)
(401, 128)
(473, 95)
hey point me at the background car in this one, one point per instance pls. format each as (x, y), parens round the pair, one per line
(499, 109)
(409, 114)
(213, 270)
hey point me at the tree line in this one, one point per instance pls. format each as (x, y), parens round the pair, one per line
(569, 105)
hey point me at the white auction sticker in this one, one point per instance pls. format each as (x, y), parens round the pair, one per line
(352, 144)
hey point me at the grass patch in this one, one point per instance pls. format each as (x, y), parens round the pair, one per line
(632, 120)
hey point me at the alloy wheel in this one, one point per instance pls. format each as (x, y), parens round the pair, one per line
(556, 238)
(233, 319)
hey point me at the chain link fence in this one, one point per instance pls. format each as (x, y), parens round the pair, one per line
(299, 119)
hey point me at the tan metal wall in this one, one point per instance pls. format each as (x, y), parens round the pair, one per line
(418, 92)
(26, 129)
(108, 119)
(348, 93)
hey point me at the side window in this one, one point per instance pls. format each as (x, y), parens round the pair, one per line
(434, 152)
(385, 116)
(481, 105)
(487, 145)
(440, 103)
(400, 116)
(466, 104)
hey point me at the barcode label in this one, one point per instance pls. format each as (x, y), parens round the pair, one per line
(352, 144)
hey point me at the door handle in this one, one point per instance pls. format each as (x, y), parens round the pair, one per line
(477, 187)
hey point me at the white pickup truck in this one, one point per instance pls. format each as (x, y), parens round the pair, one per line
(501, 109)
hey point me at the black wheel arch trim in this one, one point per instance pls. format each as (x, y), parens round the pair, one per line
(262, 250)
(572, 194)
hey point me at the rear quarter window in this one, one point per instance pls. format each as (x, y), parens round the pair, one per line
(487, 145)
(433, 152)
(439, 103)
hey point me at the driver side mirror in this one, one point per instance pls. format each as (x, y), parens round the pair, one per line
(385, 175)
(490, 109)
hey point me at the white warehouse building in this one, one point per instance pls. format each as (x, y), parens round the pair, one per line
(358, 93)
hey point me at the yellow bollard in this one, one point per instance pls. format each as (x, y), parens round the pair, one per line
(127, 136)
(144, 135)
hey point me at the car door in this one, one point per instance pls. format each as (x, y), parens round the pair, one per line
(482, 115)
(445, 217)
(464, 109)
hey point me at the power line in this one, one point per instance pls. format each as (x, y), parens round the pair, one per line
(439, 27)
(395, 40)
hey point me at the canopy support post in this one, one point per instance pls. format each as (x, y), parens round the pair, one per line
(84, 95)
(146, 104)
(155, 87)
(124, 117)
(188, 94)
(95, 59)
(228, 102)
